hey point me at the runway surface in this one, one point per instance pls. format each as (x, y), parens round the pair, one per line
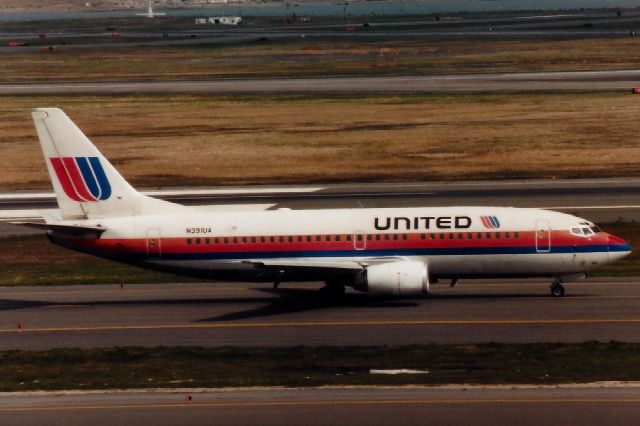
(600, 200)
(227, 314)
(582, 81)
(583, 405)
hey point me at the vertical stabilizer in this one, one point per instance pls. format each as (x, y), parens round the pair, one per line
(85, 183)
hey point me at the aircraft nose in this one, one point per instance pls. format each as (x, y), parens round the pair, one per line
(618, 248)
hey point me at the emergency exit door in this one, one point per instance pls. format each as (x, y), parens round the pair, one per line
(543, 237)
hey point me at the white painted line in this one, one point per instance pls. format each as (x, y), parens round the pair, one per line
(162, 192)
(6, 215)
(592, 207)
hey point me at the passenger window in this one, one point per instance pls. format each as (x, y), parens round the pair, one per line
(188, 240)
(290, 239)
(378, 237)
(497, 235)
(226, 240)
(404, 236)
(479, 235)
(318, 238)
(423, 236)
(244, 240)
(348, 237)
(299, 238)
(386, 237)
(395, 236)
(216, 241)
(369, 237)
(207, 241)
(433, 236)
(263, 239)
(451, 236)
(337, 237)
(441, 236)
(359, 238)
(470, 235)
(506, 235)
(327, 237)
(488, 235)
(197, 240)
(308, 238)
(235, 240)
(253, 240)
(516, 235)
(272, 239)
(460, 236)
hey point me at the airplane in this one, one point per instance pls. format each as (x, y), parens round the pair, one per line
(150, 13)
(387, 252)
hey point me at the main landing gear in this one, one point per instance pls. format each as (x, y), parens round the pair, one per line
(557, 289)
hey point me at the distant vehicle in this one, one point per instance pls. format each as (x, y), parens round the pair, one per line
(117, 35)
(388, 252)
(42, 35)
(18, 43)
(351, 29)
(150, 13)
(225, 20)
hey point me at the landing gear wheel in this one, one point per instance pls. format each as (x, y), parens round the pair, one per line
(557, 290)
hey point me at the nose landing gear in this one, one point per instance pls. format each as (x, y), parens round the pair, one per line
(557, 289)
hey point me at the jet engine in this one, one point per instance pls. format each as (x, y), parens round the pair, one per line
(395, 279)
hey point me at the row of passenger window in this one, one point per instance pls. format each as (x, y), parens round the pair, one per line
(358, 237)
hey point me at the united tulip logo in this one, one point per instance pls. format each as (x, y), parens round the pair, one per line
(82, 178)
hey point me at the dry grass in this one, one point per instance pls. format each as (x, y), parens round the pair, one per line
(308, 57)
(200, 140)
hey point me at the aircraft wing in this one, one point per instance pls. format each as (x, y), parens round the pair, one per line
(315, 264)
(344, 265)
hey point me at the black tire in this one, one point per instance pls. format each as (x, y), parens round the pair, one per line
(557, 290)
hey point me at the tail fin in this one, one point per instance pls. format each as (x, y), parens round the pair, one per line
(86, 185)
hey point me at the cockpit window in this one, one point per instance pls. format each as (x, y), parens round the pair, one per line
(585, 231)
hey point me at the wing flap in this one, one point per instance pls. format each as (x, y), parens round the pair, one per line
(303, 263)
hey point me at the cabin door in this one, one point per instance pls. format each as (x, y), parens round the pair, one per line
(154, 249)
(359, 241)
(543, 236)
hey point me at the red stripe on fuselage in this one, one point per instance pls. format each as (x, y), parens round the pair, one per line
(179, 245)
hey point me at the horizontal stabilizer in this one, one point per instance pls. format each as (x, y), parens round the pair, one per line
(68, 229)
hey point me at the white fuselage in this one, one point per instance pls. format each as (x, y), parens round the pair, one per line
(454, 242)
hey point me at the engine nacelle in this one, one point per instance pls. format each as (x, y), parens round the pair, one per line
(396, 279)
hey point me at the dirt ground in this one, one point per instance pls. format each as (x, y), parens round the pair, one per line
(160, 141)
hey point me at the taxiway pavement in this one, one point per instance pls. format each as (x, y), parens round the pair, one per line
(600, 200)
(523, 405)
(228, 314)
(569, 81)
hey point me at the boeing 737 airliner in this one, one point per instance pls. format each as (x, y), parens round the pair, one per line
(388, 252)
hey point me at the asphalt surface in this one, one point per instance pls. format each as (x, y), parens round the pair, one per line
(226, 314)
(582, 405)
(579, 81)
